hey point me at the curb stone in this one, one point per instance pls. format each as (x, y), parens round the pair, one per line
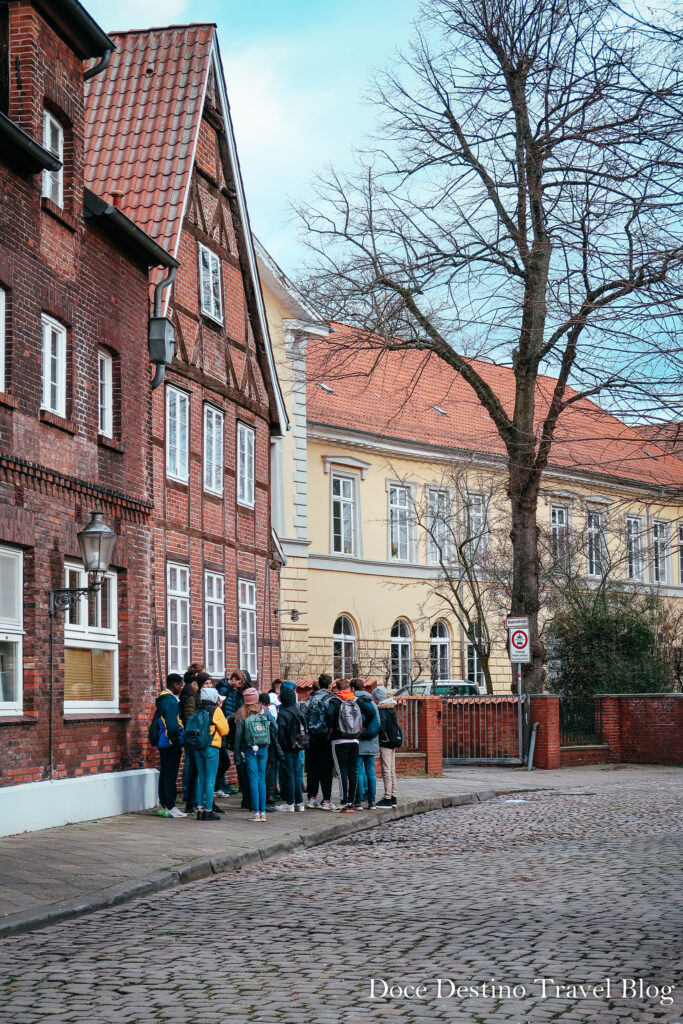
(194, 871)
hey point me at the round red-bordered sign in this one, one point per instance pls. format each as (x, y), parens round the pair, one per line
(519, 640)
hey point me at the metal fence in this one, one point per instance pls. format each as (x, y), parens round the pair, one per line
(483, 730)
(407, 715)
(580, 721)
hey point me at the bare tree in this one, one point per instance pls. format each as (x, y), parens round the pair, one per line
(522, 205)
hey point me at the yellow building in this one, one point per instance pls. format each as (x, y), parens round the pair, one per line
(388, 457)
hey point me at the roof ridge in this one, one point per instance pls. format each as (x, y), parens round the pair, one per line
(162, 28)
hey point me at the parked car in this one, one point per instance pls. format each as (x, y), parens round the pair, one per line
(441, 688)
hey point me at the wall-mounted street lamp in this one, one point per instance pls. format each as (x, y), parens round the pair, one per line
(96, 541)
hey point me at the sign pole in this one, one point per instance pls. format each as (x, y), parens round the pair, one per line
(519, 710)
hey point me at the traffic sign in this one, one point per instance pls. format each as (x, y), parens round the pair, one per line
(520, 650)
(513, 621)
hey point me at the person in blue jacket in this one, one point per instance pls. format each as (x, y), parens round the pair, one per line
(170, 744)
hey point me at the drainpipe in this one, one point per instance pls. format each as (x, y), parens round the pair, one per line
(161, 336)
(102, 65)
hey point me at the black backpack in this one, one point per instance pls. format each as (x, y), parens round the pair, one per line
(390, 733)
(154, 731)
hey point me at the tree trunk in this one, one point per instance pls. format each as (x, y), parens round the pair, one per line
(525, 569)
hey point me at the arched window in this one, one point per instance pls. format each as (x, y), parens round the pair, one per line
(440, 651)
(344, 647)
(401, 653)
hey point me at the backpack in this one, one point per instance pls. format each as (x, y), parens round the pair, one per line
(154, 731)
(349, 720)
(316, 720)
(256, 731)
(198, 730)
(391, 734)
(372, 727)
(301, 738)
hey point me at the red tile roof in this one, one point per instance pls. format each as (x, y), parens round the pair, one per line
(399, 394)
(142, 119)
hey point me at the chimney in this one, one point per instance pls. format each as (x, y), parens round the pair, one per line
(117, 198)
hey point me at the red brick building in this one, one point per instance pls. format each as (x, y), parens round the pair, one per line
(160, 138)
(75, 429)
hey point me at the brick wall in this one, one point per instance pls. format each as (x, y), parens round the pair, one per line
(545, 709)
(52, 470)
(643, 728)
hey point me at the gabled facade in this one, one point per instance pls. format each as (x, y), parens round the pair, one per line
(161, 140)
(75, 430)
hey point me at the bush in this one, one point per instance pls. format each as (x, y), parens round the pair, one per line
(606, 645)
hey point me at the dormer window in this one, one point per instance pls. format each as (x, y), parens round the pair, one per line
(53, 140)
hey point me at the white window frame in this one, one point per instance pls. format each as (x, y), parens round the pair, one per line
(246, 465)
(661, 549)
(343, 646)
(247, 619)
(12, 632)
(440, 649)
(597, 551)
(53, 333)
(349, 500)
(477, 545)
(214, 623)
(177, 455)
(79, 634)
(210, 284)
(475, 673)
(560, 535)
(400, 522)
(636, 544)
(53, 181)
(105, 393)
(178, 614)
(401, 655)
(439, 510)
(3, 339)
(213, 450)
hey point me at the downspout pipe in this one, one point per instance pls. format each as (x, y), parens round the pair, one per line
(161, 332)
(166, 283)
(102, 65)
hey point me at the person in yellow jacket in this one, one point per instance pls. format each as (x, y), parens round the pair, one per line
(207, 758)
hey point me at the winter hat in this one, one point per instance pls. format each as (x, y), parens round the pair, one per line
(250, 695)
(210, 693)
(202, 678)
(379, 694)
(288, 685)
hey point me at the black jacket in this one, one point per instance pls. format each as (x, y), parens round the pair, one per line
(289, 720)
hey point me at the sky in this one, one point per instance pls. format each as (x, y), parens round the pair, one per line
(296, 72)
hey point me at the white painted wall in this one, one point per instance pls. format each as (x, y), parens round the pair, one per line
(38, 805)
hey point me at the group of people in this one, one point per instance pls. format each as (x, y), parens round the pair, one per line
(274, 740)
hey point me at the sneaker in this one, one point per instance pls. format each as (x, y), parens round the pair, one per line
(347, 809)
(163, 813)
(217, 810)
(201, 815)
(299, 807)
(263, 816)
(327, 805)
(285, 807)
(211, 816)
(386, 802)
(393, 801)
(254, 817)
(175, 812)
(313, 805)
(371, 807)
(357, 807)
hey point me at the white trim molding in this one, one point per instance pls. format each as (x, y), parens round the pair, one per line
(346, 462)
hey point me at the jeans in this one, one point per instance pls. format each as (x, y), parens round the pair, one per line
(367, 779)
(189, 775)
(257, 762)
(319, 768)
(345, 756)
(207, 762)
(290, 781)
(300, 765)
(169, 763)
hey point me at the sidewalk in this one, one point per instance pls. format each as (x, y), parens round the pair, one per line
(62, 872)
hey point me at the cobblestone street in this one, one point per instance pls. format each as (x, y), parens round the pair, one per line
(574, 886)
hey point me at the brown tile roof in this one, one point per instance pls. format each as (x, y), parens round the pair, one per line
(669, 436)
(142, 119)
(399, 394)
